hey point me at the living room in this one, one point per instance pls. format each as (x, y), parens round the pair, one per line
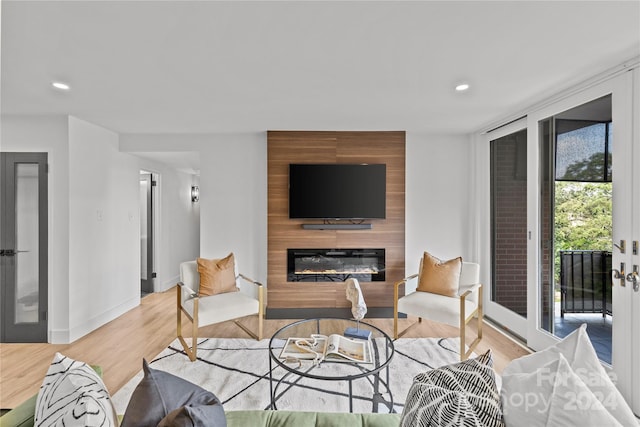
(141, 101)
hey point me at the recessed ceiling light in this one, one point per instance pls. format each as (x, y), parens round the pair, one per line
(60, 85)
(462, 87)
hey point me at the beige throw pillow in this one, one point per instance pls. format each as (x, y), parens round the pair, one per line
(440, 277)
(217, 276)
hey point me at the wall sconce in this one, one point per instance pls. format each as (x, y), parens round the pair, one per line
(195, 193)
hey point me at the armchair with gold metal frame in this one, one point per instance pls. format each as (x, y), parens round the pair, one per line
(456, 311)
(210, 309)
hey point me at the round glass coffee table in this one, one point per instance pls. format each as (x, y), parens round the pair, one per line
(305, 366)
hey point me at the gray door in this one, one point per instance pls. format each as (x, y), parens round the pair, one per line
(146, 233)
(23, 247)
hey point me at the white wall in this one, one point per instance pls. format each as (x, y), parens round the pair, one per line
(438, 205)
(49, 134)
(104, 279)
(104, 234)
(94, 247)
(233, 192)
(233, 201)
(177, 222)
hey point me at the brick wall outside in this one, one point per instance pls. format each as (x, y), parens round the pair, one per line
(510, 224)
(546, 238)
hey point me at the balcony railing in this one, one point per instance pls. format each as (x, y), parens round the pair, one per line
(585, 282)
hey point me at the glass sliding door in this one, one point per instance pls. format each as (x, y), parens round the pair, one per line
(582, 186)
(507, 297)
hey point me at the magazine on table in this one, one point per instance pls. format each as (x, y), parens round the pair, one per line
(335, 348)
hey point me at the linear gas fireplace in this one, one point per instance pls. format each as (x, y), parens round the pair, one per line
(335, 265)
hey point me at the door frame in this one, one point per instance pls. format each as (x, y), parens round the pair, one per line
(635, 299)
(34, 332)
(147, 285)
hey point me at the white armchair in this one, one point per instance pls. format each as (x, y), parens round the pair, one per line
(210, 309)
(456, 311)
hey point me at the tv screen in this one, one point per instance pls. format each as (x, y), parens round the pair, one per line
(337, 191)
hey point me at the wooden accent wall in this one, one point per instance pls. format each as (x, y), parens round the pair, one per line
(286, 147)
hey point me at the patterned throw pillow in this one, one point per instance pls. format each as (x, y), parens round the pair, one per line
(72, 394)
(462, 394)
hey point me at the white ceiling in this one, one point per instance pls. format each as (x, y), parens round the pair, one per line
(213, 66)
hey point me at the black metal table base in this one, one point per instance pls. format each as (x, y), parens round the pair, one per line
(377, 398)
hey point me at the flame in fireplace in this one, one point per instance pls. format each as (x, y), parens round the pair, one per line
(363, 270)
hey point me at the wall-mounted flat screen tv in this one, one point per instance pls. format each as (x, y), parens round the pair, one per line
(337, 191)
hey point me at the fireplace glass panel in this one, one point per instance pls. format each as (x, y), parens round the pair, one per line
(335, 265)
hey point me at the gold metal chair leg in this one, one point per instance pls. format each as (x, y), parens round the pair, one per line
(463, 324)
(260, 312)
(191, 351)
(397, 334)
(401, 334)
(253, 335)
(179, 313)
(247, 330)
(480, 312)
(463, 328)
(396, 295)
(395, 312)
(194, 332)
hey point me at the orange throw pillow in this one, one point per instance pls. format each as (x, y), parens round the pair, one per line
(440, 277)
(217, 276)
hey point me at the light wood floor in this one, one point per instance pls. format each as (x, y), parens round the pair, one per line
(145, 331)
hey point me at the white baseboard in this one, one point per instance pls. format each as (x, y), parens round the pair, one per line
(168, 284)
(59, 336)
(67, 336)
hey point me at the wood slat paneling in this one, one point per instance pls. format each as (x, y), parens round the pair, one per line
(286, 147)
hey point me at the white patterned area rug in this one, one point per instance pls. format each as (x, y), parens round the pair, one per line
(237, 372)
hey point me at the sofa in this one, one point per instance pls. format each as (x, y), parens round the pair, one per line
(22, 416)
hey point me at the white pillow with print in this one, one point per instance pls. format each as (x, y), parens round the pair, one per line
(72, 394)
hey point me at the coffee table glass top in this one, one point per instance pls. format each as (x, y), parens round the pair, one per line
(382, 349)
